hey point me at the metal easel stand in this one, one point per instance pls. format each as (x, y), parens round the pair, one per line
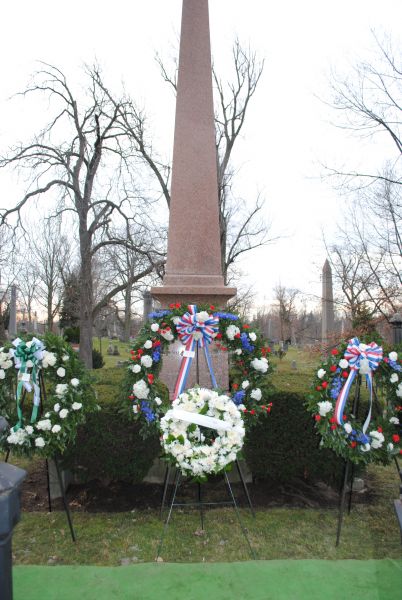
(200, 504)
(57, 465)
(242, 480)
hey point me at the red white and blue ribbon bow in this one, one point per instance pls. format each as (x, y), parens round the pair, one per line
(194, 331)
(364, 359)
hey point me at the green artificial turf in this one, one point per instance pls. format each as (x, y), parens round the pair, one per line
(257, 580)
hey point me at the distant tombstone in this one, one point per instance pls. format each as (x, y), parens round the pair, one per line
(116, 350)
(281, 344)
(294, 365)
(109, 350)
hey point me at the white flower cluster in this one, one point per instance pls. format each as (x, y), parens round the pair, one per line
(5, 362)
(192, 452)
(232, 331)
(260, 364)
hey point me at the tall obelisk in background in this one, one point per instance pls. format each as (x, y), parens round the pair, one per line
(193, 268)
(327, 313)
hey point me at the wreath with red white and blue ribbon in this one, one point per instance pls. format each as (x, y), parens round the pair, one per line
(196, 326)
(360, 378)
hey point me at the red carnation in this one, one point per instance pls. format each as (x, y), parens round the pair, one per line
(332, 420)
(333, 427)
(218, 336)
(379, 429)
(237, 335)
(332, 368)
(324, 384)
(269, 409)
(353, 444)
(150, 378)
(172, 305)
(177, 305)
(396, 438)
(246, 326)
(317, 417)
(211, 307)
(334, 351)
(235, 386)
(268, 349)
(252, 412)
(344, 417)
(131, 397)
(318, 388)
(345, 374)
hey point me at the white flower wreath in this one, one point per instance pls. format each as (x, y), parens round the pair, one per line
(199, 451)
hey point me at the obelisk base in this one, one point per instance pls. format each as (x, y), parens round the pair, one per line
(193, 294)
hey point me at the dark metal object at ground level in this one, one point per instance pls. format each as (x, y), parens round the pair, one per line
(11, 478)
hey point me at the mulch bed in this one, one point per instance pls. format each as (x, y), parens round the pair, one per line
(119, 496)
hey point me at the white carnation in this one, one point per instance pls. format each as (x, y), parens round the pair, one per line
(343, 363)
(56, 407)
(56, 428)
(394, 378)
(39, 442)
(61, 389)
(44, 425)
(348, 428)
(76, 405)
(63, 413)
(75, 382)
(390, 447)
(2, 374)
(252, 336)
(321, 373)
(394, 421)
(155, 327)
(136, 368)
(245, 384)
(167, 335)
(393, 356)
(141, 389)
(158, 401)
(377, 439)
(399, 390)
(135, 408)
(176, 320)
(148, 344)
(256, 394)
(65, 357)
(147, 361)
(49, 359)
(29, 429)
(232, 331)
(260, 364)
(238, 351)
(324, 407)
(61, 371)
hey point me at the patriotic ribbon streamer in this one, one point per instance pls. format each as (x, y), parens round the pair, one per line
(194, 331)
(365, 359)
(27, 359)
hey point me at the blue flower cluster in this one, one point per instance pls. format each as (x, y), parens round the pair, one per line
(239, 397)
(156, 356)
(225, 315)
(394, 365)
(245, 342)
(146, 409)
(158, 314)
(336, 386)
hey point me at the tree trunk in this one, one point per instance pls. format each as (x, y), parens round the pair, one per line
(50, 310)
(127, 312)
(86, 297)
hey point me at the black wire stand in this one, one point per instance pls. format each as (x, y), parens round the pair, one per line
(56, 463)
(200, 503)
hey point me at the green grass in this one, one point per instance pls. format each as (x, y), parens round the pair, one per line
(294, 380)
(370, 531)
(110, 360)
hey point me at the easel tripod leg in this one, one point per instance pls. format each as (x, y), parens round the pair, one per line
(176, 482)
(65, 503)
(253, 554)
(49, 499)
(165, 489)
(342, 502)
(245, 488)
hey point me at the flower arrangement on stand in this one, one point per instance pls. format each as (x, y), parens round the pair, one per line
(377, 438)
(203, 432)
(202, 324)
(45, 392)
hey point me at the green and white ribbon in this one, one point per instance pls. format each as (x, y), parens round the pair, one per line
(28, 360)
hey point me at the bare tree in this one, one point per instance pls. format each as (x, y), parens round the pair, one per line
(286, 309)
(74, 170)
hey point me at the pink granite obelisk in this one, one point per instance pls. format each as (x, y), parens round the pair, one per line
(193, 267)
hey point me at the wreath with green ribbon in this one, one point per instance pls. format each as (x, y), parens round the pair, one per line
(45, 392)
(195, 325)
(357, 402)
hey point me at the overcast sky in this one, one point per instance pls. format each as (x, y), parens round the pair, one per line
(287, 135)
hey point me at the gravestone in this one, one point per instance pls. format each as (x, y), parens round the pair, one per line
(147, 304)
(193, 267)
(327, 303)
